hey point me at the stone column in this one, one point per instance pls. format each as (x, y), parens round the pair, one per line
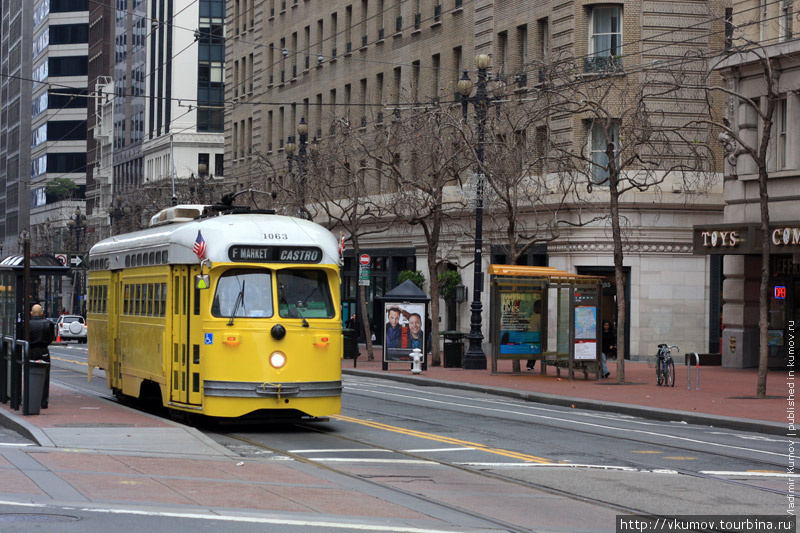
(740, 311)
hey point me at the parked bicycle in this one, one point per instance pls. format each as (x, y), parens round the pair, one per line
(665, 366)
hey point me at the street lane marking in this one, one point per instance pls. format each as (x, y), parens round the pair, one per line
(440, 438)
(645, 451)
(337, 450)
(73, 361)
(366, 460)
(678, 458)
(429, 450)
(211, 515)
(428, 399)
(748, 474)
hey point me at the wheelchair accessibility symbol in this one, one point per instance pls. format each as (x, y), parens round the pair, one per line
(209, 338)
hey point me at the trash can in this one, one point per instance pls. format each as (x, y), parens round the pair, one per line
(350, 343)
(453, 348)
(37, 373)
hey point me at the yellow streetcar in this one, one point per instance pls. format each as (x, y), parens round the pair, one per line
(220, 311)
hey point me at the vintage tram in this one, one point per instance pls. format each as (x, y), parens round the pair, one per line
(220, 311)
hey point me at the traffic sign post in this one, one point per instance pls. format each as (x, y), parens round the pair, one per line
(364, 259)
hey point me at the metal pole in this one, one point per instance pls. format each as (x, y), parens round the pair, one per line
(474, 358)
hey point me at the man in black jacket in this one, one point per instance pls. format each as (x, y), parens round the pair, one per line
(41, 336)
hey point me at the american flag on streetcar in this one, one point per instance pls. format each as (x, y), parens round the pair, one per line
(200, 245)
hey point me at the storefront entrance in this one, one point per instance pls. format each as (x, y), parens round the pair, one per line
(784, 308)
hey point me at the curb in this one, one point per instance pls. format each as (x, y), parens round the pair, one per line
(667, 415)
(15, 422)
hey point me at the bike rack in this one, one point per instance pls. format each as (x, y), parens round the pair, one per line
(689, 371)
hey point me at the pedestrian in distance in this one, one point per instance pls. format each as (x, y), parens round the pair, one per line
(608, 347)
(42, 333)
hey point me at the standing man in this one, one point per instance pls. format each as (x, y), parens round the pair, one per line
(415, 336)
(393, 328)
(40, 338)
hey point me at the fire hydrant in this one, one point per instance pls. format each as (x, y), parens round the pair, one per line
(416, 361)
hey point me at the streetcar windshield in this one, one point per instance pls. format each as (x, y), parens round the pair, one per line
(256, 301)
(304, 294)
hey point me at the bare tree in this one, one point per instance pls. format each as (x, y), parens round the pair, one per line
(746, 133)
(635, 144)
(425, 155)
(337, 191)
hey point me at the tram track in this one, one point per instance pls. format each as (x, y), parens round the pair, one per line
(640, 465)
(511, 528)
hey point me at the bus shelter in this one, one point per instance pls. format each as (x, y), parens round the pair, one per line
(44, 288)
(547, 315)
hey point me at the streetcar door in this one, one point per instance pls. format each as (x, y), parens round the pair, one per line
(116, 302)
(179, 380)
(195, 336)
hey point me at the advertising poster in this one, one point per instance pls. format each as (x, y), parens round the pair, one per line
(585, 332)
(520, 323)
(404, 325)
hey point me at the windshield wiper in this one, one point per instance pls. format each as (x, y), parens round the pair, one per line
(239, 301)
(291, 307)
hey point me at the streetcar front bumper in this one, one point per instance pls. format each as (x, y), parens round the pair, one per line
(252, 389)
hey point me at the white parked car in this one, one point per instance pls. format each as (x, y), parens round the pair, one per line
(71, 327)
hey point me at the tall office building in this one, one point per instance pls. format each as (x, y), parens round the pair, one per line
(15, 129)
(101, 63)
(44, 52)
(169, 90)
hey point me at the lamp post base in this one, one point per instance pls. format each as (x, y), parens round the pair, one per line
(474, 358)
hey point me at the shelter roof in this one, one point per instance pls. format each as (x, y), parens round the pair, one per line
(536, 272)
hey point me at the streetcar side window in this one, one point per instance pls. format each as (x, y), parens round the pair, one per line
(157, 300)
(163, 299)
(253, 289)
(105, 299)
(126, 305)
(304, 293)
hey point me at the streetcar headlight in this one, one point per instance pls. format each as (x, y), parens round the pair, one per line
(277, 359)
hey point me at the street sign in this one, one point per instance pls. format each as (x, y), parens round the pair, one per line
(62, 259)
(75, 260)
(364, 259)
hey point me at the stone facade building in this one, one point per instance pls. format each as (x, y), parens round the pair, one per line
(320, 61)
(759, 32)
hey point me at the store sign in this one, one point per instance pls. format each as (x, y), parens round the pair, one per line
(780, 292)
(787, 236)
(723, 239)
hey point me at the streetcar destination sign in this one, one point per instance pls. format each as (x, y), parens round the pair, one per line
(274, 254)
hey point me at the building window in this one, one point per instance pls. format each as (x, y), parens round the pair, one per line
(782, 126)
(605, 38)
(787, 13)
(602, 133)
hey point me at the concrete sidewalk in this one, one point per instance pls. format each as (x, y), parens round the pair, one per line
(97, 454)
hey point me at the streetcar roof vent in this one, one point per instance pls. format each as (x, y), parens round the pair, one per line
(178, 213)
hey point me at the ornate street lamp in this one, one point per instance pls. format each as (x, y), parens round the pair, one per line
(290, 148)
(474, 358)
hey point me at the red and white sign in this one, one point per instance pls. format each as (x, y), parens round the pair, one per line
(364, 259)
(62, 259)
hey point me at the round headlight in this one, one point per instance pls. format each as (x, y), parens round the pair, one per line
(277, 359)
